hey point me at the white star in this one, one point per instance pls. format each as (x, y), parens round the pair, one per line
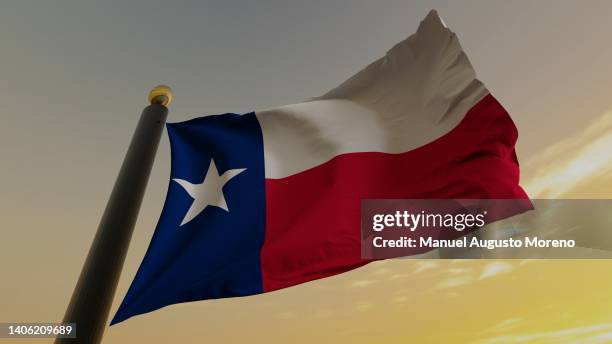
(210, 192)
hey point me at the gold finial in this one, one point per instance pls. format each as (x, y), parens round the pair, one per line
(161, 95)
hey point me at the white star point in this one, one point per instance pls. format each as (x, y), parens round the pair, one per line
(209, 192)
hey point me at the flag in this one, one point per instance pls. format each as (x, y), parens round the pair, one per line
(270, 199)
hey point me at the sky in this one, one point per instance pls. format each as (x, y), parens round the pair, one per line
(74, 78)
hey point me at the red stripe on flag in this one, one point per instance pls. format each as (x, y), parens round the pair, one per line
(313, 217)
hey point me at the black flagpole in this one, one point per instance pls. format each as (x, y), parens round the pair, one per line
(93, 294)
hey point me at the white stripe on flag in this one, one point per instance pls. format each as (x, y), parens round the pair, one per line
(419, 91)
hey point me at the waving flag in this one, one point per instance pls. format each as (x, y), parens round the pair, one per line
(270, 199)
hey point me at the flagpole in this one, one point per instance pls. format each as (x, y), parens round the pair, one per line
(93, 295)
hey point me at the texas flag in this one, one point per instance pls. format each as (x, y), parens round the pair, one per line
(270, 199)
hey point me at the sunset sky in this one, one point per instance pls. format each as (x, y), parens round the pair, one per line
(74, 78)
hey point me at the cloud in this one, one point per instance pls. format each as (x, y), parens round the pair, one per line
(363, 283)
(459, 271)
(364, 306)
(381, 271)
(594, 334)
(505, 325)
(400, 299)
(494, 269)
(574, 162)
(425, 265)
(454, 282)
(398, 276)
